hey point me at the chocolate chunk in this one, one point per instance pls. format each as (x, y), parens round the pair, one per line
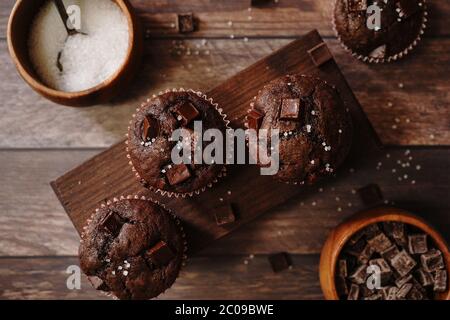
(356, 249)
(379, 52)
(359, 275)
(392, 293)
(425, 278)
(150, 128)
(225, 215)
(254, 119)
(356, 5)
(406, 8)
(341, 286)
(414, 294)
(403, 263)
(366, 254)
(356, 237)
(417, 243)
(376, 296)
(186, 112)
(112, 223)
(385, 270)
(177, 173)
(353, 293)
(432, 260)
(290, 109)
(372, 231)
(160, 254)
(401, 281)
(440, 281)
(320, 54)
(186, 23)
(380, 243)
(370, 194)
(396, 230)
(342, 268)
(98, 283)
(404, 290)
(280, 261)
(390, 252)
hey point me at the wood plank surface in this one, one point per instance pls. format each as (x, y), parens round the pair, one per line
(298, 226)
(224, 277)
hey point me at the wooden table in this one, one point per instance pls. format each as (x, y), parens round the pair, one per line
(407, 102)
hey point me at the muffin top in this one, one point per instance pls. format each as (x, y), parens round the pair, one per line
(314, 127)
(132, 248)
(400, 26)
(150, 149)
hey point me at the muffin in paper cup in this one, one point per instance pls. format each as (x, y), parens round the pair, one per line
(399, 29)
(149, 146)
(132, 248)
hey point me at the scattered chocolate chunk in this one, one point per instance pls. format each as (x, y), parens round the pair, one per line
(440, 281)
(432, 260)
(403, 263)
(366, 254)
(341, 286)
(186, 112)
(404, 290)
(290, 109)
(385, 270)
(401, 281)
(177, 173)
(380, 242)
(254, 119)
(356, 5)
(417, 243)
(359, 275)
(342, 268)
(379, 52)
(186, 23)
(112, 223)
(320, 54)
(354, 292)
(370, 194)
(98, 283)
(392, 293)
(150, 128)
(280, 261)
(225, 215)
(390, 252)
(406, 8)
(160, 254)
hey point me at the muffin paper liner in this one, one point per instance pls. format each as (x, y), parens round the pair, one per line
(171, 194)
(184, 260)
(395, 57)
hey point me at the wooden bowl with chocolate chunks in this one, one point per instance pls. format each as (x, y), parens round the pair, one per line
(385, 254)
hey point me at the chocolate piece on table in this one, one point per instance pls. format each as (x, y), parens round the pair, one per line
(341, 286)
(225, 215)
(354, 292)
(186, 112)
(401, 281)
(177, 173)
(280, 261)
(385, 270)
(185, 23)
(440, 281)
(366, 254)
(380, 243)
(392, 293)
(254, 119)
(342, 268)
(150, 128)
(160, 254)
(112, 223)
(370, 194)
(390, 252)
(404, 290)
(432, 260)
(425, 278)
(406, 8)
(356, 5)
(403, 263)
(320, 54)
(290, 109)
(417, 243)
(98, 283)
(359, 275)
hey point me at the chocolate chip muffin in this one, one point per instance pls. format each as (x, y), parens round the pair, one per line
(149, 144)
(315, 129)
(399, 29)
(132, 248)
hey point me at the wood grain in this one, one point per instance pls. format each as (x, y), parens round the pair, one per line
(224, 277)
(420, 107)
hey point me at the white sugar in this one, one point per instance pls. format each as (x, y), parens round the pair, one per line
(87, 60)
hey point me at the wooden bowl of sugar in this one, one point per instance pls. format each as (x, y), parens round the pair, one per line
(76, 70)
(340, 236)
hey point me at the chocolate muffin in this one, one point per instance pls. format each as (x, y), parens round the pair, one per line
(402, 22)
(149, 147)
(132, 248)
(315, 129)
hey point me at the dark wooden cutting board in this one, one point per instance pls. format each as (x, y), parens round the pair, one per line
(109, 175)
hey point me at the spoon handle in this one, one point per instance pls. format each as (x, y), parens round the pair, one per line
(63, 14)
